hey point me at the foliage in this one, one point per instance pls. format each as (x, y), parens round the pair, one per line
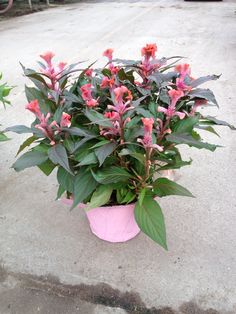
(110, 130)
(4, 93)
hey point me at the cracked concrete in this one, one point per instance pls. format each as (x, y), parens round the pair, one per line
(39, 236)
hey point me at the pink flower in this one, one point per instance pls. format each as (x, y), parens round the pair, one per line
(106, 82)
(149, 51)
(92, 102)
(147, 138)
(108, 53)
(47, 56)
(123, 97)
(120, 93)
(86, 91)
(89, 72)
(112, 115)
(33, 106)
(46, 128)
(174, 95)
(148, 124)
(114, 69)
(183, 70)
(65, 120)
(61, 66)
(87, 95)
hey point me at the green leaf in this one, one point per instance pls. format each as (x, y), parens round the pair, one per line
(90, 159)
(176, 164)
(145, 113)
(47, 167)
(141, 196)
(65, 179)
(220, 122)
(60, 191)
(46, 105)
(26, 143)
(101, 196)
(3, 137)
(30, 159)
(84, 185)
(129, 197)
(19, 129)
(207, 128)
(111, 174)
(138, 156)
(80, 132)
(101, 143)
(97, 118)
(35, 76)
(104, 151)
(163, 187)
(190, 141)
(186, 125)
(150, 219)
(58, 155)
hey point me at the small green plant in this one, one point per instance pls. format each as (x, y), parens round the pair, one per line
(4, 92)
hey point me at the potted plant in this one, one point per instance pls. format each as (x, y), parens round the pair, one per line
(109, 131)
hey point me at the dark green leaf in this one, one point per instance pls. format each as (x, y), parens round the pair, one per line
(163, 187)
(26, 143)
(150, 219)
(90, 159)
(138, 156)
(204, 79)
(220, 122)
(136, 103)
(20, 129)
(30, 159)
(60, 191)
(186, 125)
(101, 143)
(203, 93)
(65, 179)
(145, 113)
(128, 198)
(58, 155)
(84, 185)
(97, 118)
(47, 167)
(207, 128)
(190, 141)
(159, 78)
(111, 174)
(104, 151)
(80, 132)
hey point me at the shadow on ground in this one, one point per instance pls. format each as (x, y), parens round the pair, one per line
(24, 293)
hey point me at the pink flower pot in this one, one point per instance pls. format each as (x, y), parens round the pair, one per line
(112, 223)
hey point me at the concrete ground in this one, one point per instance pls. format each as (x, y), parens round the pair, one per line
(50, 261)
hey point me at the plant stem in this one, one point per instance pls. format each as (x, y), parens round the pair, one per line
(147, 163)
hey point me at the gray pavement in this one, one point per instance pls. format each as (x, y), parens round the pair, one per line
(40, 237)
